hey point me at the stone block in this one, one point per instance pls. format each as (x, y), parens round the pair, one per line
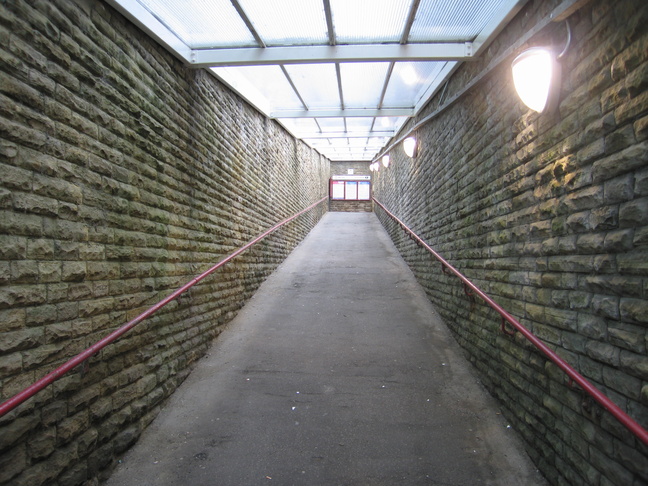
(634, 364)
(73, 271)
(634, 213)
(12, 463)
(625, 384)
(20, 339)
(606, 306)
(634, 310)
(43, 443)
(603, 352)
(627, 336)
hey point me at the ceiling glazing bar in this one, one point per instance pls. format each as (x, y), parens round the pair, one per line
(335, 135)
(248, 23)
(341, 113)
(294, 88)
(154, 27)
(403, 40)
(410, 21)
(339, 82)
(329, 22)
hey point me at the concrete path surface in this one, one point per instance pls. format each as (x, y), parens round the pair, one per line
(337, 372)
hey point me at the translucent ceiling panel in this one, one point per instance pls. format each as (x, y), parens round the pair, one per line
(362, 83)
(339, 142)
(409, 81)
(317, 84)
(288, 22)
(335, 125)
(364, 21)
(378, 142)
(202, 23)
(360, 124)
(272, 84)
(452, 20)
(385, 123)
(300, 126)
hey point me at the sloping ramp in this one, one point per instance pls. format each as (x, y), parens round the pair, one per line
(338, 372)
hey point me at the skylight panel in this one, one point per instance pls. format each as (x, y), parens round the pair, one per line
(369, 21)
(316, 83)
(300, 127)
(408, 82)
(362, 83)
(271, 83)
(202, 23)
(360, 124)
(332, 124)
(288, 22)
(384, 123)
(452, 20)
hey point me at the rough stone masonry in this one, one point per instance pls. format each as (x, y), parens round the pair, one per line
(123, 175)
(549, 215)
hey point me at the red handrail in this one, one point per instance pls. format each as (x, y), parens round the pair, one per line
(573, 375)
(31, 390)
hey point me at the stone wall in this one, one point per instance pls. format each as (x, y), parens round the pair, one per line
(351, 206)
(549, 215)
(342, 168)
(123, 175)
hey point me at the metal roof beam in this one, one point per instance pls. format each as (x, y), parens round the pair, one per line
(248, 23)
(410, 21)
(292, 85)
(376, 134)
(496, 24)
(141, 17)
(341, 113)
(317, 54)
(329, 22)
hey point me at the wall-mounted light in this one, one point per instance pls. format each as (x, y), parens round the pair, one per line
(374, 167)
(385, 160)
(536, 76)
(410, 146)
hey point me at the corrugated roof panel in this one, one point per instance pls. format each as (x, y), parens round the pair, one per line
(365, 21)
(288, 22)
(275, 88)
(452, 20)
(359, 124)
(202, 23)
(300, 126)
(333, 125)
(316, 83)
(387, 122)
(408, 81)
(362, 83)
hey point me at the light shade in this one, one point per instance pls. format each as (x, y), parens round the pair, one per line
(536, 76)
(410, 147)
(385, 160)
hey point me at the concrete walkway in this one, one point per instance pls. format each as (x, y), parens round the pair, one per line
(338, 372)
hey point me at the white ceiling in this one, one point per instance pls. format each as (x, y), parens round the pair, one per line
(342, 75)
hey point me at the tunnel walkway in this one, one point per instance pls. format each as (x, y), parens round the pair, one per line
(337, 372)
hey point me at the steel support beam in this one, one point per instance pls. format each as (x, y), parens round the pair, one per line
(201, 58)
(341, 113)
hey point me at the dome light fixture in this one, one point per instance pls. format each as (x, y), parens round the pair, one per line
(536, 76)
(385, 160)
(410, 146)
